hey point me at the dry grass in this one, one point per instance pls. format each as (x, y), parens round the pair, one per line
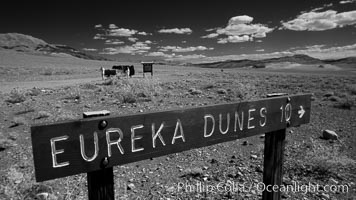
(352, 89)
(43, 114)
(16, 96)
(327, 156)
(34, 92)
(17, 121)
(132, 90)
(73, 94)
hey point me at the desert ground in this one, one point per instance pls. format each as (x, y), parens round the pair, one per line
(37, 89)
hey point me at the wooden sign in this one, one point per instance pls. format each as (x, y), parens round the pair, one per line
(91, 144)
(147, 67)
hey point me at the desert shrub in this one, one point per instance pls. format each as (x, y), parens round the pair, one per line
(346, 103)
(74, 94)
(209, 86)
(128, 97)
(65, 116)
(108, 82)
(27, 110)
(34, 92)
(89, 86)
(243, 90)
(16, 96)
(352, 89)
(133, 90)
(47, 72)
(43, 114)
(194, 91)
(221, 91)
(326, 157)
(17, 121)
(335, 98)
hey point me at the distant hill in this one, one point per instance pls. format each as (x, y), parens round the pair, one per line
(349, 60)
(298, 58)
(26, 43)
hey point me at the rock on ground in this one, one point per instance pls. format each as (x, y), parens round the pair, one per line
(329, 134)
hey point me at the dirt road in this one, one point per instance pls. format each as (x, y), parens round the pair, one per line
(6, 87)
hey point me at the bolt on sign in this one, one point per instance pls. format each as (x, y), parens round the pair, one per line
(80, 146)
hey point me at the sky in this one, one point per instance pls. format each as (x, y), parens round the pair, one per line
(190, 31)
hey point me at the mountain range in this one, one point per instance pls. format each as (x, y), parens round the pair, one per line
(28, 44)
(298, 58)
(25, 43)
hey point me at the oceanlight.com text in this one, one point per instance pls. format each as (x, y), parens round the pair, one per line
(236, 187)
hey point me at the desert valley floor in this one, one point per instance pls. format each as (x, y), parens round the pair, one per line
(36, 89)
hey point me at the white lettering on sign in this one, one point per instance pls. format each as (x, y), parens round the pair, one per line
(286, 112)
(227, 123)
(241, 121)
(263, 113)
(206, 125)
(250, 118)
(175, 136)
(82, 148)
(133, 138)
(209, 121)
(301, 111)
(157, 134)
(55, 151)
(117, 142)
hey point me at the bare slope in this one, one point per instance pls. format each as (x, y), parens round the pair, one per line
(26, 43)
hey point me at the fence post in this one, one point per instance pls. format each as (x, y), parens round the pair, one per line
(101, 182)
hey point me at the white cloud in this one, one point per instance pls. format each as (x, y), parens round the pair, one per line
(260, 50)
(347, 1)
(245, 29)
(184, 49)
(240, 29)
(98, 26)
(137, 48)
(122, 32)
(320, 21)
(89, 49)
(258, 41)
(234, 39)
(210, 29)
(143, 33)
(160, 54)
(113, 42)
(323, 7)
(132, 39)
(192, 56)
(174, 57)
(243, 19)
(148, 42)
(99, 36)
(211, 35)
(113, 26)
(176, 30)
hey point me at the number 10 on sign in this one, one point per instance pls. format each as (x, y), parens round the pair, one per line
(286, 112)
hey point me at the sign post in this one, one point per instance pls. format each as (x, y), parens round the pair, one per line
(101, 182)
(94, 144)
